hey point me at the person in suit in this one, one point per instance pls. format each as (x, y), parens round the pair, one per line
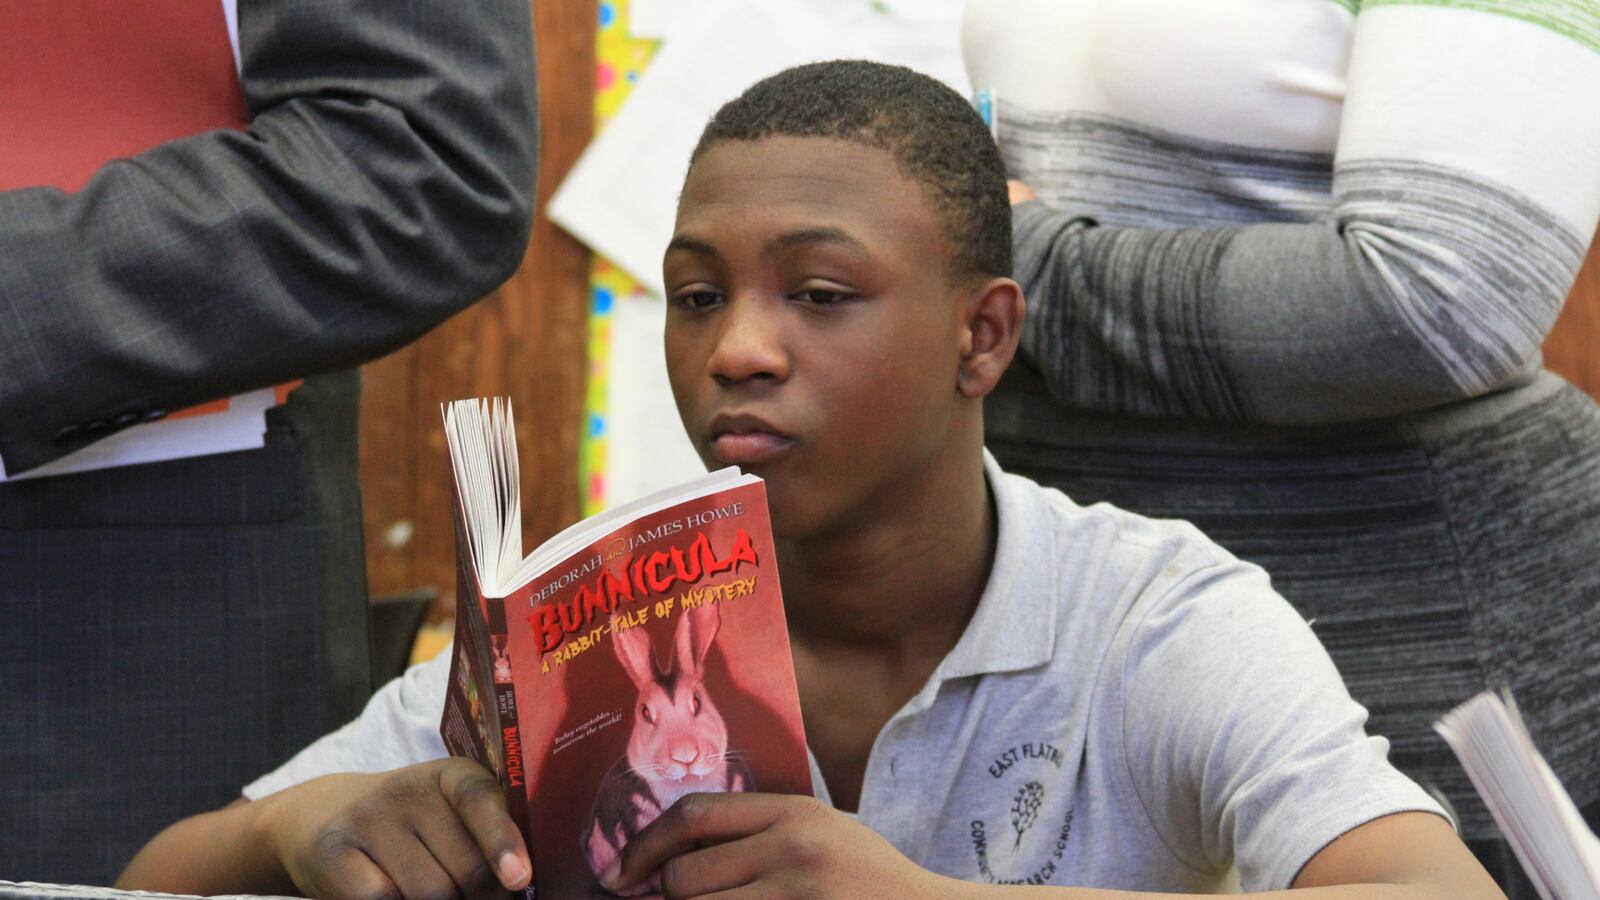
(164, 628)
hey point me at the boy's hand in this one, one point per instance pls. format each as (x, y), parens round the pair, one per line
(435, 830)
(765, 845)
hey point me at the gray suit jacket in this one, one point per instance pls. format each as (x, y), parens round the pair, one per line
(174, 630)
(385, 182)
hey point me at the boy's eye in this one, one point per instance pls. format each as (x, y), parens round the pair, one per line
(822, 296)
(698, 299)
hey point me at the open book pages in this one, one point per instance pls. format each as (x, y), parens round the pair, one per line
(1538, 817)
(482, 438)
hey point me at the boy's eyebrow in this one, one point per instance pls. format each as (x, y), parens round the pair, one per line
(691, 245)
(822, 234)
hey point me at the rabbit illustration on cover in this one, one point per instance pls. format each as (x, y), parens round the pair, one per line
(679, 742)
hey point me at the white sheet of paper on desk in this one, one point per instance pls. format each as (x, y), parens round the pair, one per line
(621, 197)
(646, 448)
(242, 426)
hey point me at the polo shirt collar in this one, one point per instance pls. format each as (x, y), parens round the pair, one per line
(1014, 626)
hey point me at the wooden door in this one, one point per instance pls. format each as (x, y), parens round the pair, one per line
(525, 341)
(1573, 349)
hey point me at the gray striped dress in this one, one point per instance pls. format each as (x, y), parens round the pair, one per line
(1288, 278)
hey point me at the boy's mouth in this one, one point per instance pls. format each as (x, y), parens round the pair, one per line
(746, 440)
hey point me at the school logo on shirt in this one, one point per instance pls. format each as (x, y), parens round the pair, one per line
(1023, 838)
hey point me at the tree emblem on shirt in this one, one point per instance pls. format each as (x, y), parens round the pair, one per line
(1025, 809)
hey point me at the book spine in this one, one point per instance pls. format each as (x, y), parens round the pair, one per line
(480, 720)
(513, 777)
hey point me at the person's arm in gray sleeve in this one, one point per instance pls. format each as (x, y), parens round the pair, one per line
(386, 181)
(1284, 323)
(1465, 189)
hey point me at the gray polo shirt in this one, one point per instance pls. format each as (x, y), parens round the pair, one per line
(1131, 707)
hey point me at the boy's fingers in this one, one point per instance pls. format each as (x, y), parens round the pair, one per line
(353, 876)
(415, 873)
(457, 852)
(694, 820)
(480, 804)
(719, 867)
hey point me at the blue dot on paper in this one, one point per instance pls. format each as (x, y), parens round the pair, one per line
(632, 77)
(597, 426)
(608, 14)
(602, 301)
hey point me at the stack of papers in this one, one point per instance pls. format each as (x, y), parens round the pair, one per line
(1557, 850)
(33, 890)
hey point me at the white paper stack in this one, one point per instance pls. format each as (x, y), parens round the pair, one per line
(35, 890)
(1557, 850)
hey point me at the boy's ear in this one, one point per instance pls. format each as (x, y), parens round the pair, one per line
(992, 325)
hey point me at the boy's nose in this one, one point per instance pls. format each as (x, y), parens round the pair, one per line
(749, 344)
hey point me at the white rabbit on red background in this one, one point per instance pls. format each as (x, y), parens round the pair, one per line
(679, 742)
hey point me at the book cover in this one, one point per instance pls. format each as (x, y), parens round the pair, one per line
(636, 657)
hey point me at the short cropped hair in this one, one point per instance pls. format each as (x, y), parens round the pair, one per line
(934, 135)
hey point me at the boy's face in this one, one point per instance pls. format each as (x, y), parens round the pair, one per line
(813, 331)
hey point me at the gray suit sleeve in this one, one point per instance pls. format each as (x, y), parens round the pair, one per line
(1422, 287)
(386, 181)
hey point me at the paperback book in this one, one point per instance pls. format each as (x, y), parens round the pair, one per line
(637, 656)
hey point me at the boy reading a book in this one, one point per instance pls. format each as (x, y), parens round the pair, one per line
(1003, 692)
